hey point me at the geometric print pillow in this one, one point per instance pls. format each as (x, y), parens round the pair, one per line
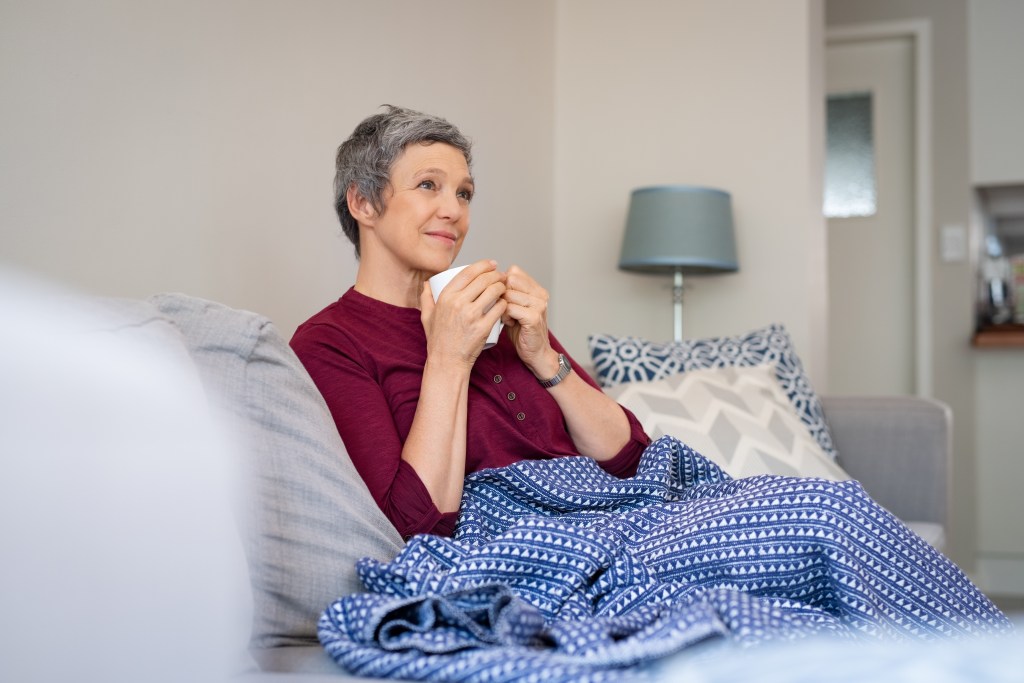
(737, 417)
(618, 360)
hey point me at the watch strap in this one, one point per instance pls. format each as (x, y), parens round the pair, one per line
(563, 371)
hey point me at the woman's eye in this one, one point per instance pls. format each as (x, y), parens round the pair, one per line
(427, 184)
(466, 195)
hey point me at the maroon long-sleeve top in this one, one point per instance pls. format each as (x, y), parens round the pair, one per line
(367, 358)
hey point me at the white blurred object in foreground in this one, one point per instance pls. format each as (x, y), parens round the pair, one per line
(121, 561)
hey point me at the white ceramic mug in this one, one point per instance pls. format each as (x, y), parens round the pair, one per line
(441, 280)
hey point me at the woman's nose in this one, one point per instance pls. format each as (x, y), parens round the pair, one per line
(452, 206)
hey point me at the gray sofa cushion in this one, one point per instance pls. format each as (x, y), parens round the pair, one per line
(899, 448)
(310, 514)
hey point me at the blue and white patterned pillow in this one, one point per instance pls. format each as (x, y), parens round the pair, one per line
(630, 359)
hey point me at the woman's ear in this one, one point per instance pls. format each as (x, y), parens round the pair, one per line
(360, 207)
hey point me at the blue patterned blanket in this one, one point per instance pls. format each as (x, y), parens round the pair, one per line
(559, 571)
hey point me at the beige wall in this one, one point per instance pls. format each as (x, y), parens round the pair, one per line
(997, 154)
(652, 93)
(189, 146)
(149, 148)
(952, 371)
(997, 91)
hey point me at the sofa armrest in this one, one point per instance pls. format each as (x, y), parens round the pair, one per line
(899, 448)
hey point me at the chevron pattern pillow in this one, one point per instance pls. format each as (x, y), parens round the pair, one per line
(631, 359)
(739, 417)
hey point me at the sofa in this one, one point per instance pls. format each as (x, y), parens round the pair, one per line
(304, 515)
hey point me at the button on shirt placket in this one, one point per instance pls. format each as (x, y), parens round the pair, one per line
(511, 396)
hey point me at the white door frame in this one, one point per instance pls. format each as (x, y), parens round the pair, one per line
(919, 31)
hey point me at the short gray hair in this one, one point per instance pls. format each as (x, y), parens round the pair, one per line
(366, 157)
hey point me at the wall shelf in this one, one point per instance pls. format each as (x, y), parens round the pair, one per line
(999, 336)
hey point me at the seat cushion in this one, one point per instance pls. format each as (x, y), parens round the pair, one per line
(309, 516)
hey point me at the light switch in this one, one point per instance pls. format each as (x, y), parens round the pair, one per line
(954, 243)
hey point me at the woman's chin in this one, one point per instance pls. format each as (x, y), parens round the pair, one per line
(445, 260)
(438, 266)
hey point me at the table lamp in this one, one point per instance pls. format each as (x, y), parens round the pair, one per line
(679, 229)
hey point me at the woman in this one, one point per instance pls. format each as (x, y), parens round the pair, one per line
(417, 401)
(420, 404)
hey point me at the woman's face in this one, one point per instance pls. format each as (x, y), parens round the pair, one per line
(426, 209)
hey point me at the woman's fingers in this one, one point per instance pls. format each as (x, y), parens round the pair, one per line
(518, 280)
(469, 274)
(528, 301)
(465, 311)
(524, 299)
(493, 298)
(526, 318)
(474, 283)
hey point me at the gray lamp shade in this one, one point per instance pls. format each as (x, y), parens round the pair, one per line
(679, 227)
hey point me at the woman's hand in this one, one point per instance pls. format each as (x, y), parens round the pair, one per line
(526, 319)
(596, 423)
(457, 325)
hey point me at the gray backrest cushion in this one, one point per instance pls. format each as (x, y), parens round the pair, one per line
(310, 514)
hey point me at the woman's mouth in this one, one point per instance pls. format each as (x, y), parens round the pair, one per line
(446, 237)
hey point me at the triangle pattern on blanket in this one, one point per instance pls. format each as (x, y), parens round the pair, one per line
(686, 553)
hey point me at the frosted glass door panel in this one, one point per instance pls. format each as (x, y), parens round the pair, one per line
(850, 162)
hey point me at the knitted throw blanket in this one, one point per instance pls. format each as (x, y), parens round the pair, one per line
(560, 572)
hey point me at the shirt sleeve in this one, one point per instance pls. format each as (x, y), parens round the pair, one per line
(364, 421)
(624, 463)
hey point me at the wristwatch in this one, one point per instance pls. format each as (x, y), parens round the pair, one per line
(563, 371)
